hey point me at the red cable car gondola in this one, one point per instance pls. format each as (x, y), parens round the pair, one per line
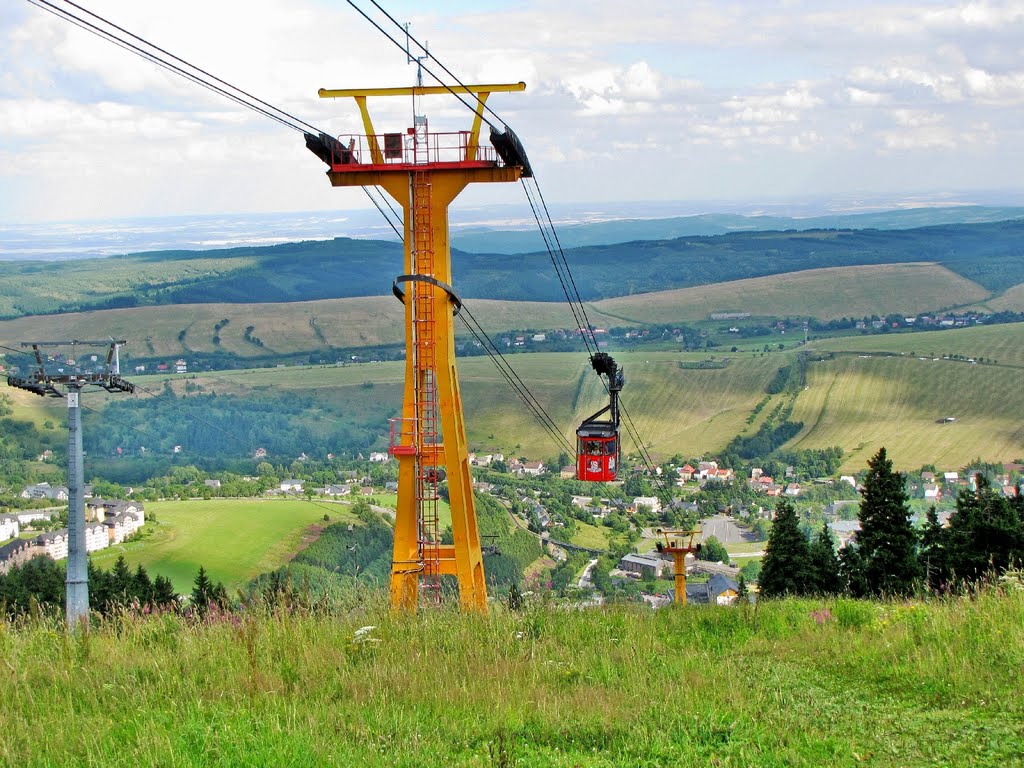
(597, 440)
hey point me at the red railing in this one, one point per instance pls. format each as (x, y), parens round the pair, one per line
(402, 149)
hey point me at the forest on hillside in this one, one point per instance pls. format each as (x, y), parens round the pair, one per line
(989, 254)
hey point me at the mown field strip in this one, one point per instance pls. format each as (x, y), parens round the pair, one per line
(234, 539)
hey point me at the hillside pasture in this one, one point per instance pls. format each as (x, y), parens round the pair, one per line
(36, 287)
(305, 326)
(825, 294)
(673, 409)
(283, 328)
(1010, 300)
(234, 539)
(865, 403)
(1001, 343)
(890, 398)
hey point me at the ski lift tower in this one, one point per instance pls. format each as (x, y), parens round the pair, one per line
(679, 544)
(424, 172)
(66, 376)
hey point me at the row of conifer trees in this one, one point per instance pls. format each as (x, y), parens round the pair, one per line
(890, 557)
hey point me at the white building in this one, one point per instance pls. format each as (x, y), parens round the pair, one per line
(54, 543)
(9, 527)
(96, 537)
(120, 527)
(651, 502)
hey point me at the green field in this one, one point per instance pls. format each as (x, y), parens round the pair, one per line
(284, 328)
(821, 293)
(864, 404)
(889, 398)
(47, 286)
(234, 539)
(591, 536)
(794, 683)
(289, 327)
(1001, 343)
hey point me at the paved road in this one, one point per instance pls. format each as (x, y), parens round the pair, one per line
(723, 529)
(585, 582)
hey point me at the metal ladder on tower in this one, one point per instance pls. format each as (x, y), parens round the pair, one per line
(428, 452)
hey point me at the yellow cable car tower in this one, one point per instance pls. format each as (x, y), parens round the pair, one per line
(424, 172)
(679, 544)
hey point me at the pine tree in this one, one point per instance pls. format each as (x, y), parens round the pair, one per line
(142, 586)
(851, 571)
(824, 563)
(786, 568)
(99, 588)
(986, 533)
(934, 553)
(122, 585)
(887, 541)
(164, 595)
(202, 592)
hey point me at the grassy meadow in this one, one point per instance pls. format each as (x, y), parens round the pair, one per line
(876, 391)
(787, 683)
(825, 294)
(1001, 343)
(234, 539)
(863, 404)
(286, 327)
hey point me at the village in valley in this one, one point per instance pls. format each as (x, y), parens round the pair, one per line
(732, 514)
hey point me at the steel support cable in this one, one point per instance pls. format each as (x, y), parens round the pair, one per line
(190, 65)
(384, 213)
(425, 68)
(585, 332)
(513, 379)
(579, 314)
(447, 71)
(155, 59)
(565, 261)
(109, 36)
(552, 431)
(644, 454)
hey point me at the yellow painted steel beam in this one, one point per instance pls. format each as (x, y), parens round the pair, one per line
(423, 90)
(375, 154)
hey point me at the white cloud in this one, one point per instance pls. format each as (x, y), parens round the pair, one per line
(654, 88)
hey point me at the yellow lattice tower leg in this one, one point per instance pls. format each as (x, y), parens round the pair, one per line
(429, 329)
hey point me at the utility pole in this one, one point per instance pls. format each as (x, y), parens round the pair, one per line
(66, 377)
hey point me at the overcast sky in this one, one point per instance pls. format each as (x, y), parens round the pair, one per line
(723, 102)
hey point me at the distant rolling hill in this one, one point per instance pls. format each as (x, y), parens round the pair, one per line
(991, 255)
(624, 230)
(298, 327)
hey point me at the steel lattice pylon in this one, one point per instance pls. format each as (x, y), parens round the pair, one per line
(424, 172)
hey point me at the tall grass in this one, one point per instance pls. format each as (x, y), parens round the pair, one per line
(786, 683)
